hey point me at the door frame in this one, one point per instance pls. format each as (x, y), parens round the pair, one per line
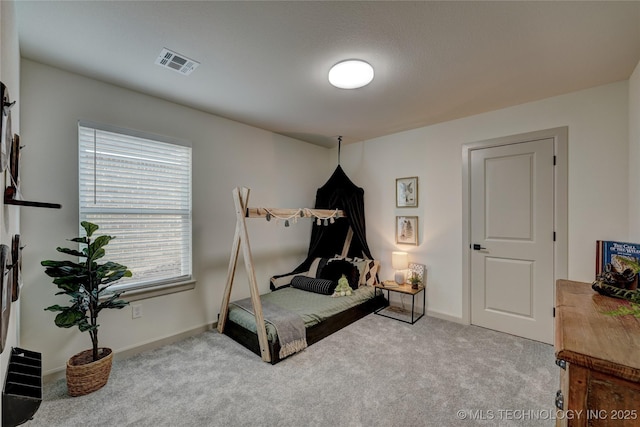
(560, 203)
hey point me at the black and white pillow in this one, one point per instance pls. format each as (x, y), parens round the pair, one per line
(312, 284)
(371, 270)
(368, 270)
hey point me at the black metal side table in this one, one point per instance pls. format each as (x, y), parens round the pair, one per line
(402, 289)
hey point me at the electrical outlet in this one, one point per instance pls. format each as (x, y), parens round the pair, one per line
(136, 311)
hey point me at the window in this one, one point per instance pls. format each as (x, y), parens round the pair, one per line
(138, 188)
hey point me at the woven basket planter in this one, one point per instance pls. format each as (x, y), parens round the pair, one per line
(85, 376)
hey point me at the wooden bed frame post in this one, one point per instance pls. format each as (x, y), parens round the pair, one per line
(241, 239)
(347, 243)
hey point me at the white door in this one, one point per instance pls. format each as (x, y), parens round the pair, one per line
(512, 239)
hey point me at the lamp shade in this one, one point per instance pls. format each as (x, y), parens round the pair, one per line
(399, 260)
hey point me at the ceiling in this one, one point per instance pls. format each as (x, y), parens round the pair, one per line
(265, 63)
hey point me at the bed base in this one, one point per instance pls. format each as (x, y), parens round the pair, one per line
(314, 333)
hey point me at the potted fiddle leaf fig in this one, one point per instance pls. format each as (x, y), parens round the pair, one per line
(86, 282)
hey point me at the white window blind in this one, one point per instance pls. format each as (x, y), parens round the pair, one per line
(138, 188)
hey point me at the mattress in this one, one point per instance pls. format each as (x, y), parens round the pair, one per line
(312, 307)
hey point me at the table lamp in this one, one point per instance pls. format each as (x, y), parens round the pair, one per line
(400, 262)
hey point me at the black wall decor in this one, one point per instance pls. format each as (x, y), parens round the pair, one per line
(14, 161)
(16, 267)
(5, 296)
(10, 157)
(6, 137)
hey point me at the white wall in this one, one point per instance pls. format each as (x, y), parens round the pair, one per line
(634, 155)
(598, 183)
(10, 215)
(285, 172)
(280, 171)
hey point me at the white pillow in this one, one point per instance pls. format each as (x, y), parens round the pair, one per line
(313, 268)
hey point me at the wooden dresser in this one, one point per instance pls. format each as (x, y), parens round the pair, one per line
(599, 359)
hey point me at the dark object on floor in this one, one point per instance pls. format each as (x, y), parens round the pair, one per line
(22, 392)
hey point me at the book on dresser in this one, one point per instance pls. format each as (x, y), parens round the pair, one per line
(617, 257)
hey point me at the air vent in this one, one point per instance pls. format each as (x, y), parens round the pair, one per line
(176, 62)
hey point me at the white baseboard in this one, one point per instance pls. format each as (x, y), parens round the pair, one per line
(124, 353)
(445, 316)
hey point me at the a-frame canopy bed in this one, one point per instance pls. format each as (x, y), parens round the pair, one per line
(303, 307)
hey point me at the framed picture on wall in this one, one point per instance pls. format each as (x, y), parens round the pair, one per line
(407, 192)
(407, 230)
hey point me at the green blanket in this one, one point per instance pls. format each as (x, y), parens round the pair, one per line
(289, 326)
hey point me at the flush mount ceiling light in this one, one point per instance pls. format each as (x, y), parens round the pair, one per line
(351, 74)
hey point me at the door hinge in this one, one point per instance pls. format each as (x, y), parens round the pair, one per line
(554, 236)
(554, 160)
(554, 312)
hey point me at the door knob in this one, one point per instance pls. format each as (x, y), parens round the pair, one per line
(477, 247)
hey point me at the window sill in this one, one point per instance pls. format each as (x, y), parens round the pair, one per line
(159, 290)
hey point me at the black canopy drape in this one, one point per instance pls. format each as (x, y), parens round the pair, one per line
(339, 192)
